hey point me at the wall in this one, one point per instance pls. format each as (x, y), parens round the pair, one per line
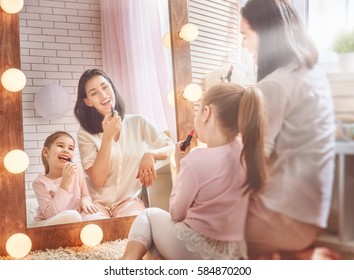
(59, 40)
(218, 23)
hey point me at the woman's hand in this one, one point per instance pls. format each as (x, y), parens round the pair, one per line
(111, 125)
(88, 207)
(147, 172)
(68, 173)
(179, 154)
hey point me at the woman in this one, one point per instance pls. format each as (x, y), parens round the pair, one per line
(115, 149)
(292, 211)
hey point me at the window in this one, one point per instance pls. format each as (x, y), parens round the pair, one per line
(324, 18)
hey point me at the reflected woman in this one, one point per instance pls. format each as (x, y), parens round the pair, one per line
(118, 151)
(293, 210)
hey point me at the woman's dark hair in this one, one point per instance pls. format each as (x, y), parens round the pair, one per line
(282, 36)
(90, 119)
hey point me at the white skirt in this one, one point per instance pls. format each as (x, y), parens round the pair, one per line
(210, 249)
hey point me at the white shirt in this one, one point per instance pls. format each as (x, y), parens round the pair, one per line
(300, 143)
(137, 136)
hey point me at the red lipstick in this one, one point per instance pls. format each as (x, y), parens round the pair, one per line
(187, 142)
(112, 111)
(229, 73)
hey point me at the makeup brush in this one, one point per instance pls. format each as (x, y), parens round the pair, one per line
(187, 142)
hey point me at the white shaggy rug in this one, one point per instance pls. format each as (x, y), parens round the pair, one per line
(112, 250)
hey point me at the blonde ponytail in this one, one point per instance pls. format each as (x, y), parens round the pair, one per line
(252, 126)
(241, 110)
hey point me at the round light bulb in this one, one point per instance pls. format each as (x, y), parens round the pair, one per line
(16, 161)
(11, 6)
(18, 245)
(166, 40)
(189, 32)
(13, 80)
(192, 92)
(171, 97)
(91, 235)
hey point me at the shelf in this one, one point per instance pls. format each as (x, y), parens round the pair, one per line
(346, 148)
(341, 77)
(344, 151)
(332, 240)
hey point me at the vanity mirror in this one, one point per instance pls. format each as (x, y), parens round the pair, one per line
(59, 40)
(12, 192)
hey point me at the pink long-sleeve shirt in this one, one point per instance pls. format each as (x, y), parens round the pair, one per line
(52, 199)
(207, 194)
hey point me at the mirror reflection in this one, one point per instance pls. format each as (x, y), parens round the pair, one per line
(60, 40)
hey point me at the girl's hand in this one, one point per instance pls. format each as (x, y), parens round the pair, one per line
(179, 154)
(88, 207)
(146, 171)
(68, 173)
(111, 125)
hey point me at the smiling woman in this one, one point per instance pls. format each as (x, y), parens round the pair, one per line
(12, 205)
(116, 150)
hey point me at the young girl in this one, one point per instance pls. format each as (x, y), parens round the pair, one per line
(61, 191)
(208, 203)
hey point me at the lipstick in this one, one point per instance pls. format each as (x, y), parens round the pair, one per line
(112, 111)
(187, 142)
(229, 73)
(69, 160)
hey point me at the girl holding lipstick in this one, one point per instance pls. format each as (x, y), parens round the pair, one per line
(61, 191)
(118, 151)
(209, 200)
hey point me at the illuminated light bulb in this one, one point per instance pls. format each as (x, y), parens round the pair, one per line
(192, 92)
(171, 97)
(166, 40)
(91, 235)
(18, 245)
(189, 32)
(16, 161)
(11, 6)
(13, 80)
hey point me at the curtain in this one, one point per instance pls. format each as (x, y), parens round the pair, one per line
(135, 58)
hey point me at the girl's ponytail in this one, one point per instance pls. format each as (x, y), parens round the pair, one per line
(252, 126)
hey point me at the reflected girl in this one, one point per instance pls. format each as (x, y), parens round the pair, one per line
(61, 192)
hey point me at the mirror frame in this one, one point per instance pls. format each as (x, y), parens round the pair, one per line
(12, 191)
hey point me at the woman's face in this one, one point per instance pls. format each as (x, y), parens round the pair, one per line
(100, 95)
(250, 38)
